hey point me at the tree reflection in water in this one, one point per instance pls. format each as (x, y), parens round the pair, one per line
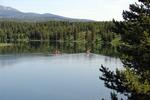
(59, 47)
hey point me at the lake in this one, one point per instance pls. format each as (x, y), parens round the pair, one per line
(45, 76)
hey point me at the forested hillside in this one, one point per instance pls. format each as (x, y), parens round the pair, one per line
(12, 31)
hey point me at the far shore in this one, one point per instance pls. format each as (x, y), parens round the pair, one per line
(5, 44)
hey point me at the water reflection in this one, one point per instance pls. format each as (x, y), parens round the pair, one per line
(53, 77)
(7, 60)
(44, 65)
(59, 48)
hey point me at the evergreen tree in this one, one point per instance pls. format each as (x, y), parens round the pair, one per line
(134, 80)
(135, 35)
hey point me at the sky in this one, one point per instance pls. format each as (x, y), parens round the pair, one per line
(100, 10)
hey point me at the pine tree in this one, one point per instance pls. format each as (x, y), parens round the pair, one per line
(135, 54)
(135, 35)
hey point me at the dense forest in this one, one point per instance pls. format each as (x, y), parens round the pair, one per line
(68, 37)
(13, 31)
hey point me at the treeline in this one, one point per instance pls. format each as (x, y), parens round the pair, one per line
(11, 31)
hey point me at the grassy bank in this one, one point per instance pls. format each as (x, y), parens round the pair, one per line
(5, 44)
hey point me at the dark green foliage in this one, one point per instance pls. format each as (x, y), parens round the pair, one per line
(127, 82)
(113, 96)
(11, 31)
(135, 36)
(134, 80)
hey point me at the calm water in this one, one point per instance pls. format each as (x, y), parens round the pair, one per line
(43, 76)
(53, 77)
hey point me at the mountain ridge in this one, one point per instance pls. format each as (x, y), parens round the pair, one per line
(9, 13)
